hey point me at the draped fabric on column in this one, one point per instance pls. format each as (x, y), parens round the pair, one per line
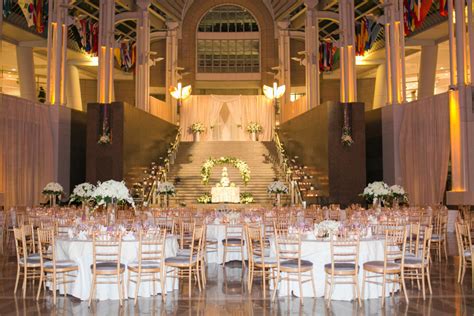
(227, 117)
(27, 149)
(425, 148)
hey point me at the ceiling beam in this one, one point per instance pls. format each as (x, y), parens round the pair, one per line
(170, 11)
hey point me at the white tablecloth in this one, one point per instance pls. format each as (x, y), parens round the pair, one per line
(217, 232)
(225, 195)
(81, 252)
(319, 253)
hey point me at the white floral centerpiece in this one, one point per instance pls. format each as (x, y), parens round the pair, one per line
(254, 128)
(166, 188)
(197, 128)
(112, 192)
(82, 192)
(277, 187)
(398, 193)
(377, 190)
(326, 228)
(53, 188)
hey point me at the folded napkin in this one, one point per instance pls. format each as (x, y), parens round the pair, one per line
(82, 235)
(129, 236)
(70, 233)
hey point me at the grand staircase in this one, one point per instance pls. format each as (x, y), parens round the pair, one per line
(186, 171)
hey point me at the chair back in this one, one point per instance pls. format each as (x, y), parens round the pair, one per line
(30, 238)
(46, 245)
(255, 243)
(413, 244)
(151, 245)
(426, 244)
(165, 223)
(395, 244)
(288, 247)
(281, 226)
(186, 229)
(197, 243)
(463, 234)
(234, 231)
(345, 251)
(106, 248)
(20, 244)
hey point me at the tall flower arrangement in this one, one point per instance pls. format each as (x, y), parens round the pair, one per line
(112, 191)
(376, 190)
(82, 192)
(53, 188)
(277, 187)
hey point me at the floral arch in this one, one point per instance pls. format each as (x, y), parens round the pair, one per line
(237, 163)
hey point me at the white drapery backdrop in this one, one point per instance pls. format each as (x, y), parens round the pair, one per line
(227, 117)
(27, 150)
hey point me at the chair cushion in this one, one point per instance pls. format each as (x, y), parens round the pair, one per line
(33, 258)
(436, 237)
(293, 264)
(107, 266)
(146, 264)
(183, 252)
(413, 260)
(211, 240)
(179, 260)
(60, 264)
(378, 266)
(232, 241)
(340, 266)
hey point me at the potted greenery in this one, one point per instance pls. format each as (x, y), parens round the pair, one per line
(197, 128)
(253, 128)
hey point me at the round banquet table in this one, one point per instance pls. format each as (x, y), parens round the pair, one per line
(217, 232)
(80, 251)
(319, 253)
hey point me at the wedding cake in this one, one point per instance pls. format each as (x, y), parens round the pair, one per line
(225, 191)
(225, 182)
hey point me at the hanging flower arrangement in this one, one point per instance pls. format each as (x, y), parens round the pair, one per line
(366, 32)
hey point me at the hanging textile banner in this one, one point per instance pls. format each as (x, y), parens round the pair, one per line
(35, 13)
(366, 32)
(86, 34)
(327, 56)
(443, 7)
(125, 55)
(414, 13)
(28, 9)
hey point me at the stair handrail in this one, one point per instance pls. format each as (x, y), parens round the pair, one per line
(286, 166)
(164, 169)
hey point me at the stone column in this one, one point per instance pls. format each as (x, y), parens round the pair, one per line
(171, 64)
(284, 60)
(26, 72)
(426, 81)
(105, 81)
(348, 71)
(73, 88)
(57, 49)
(380, 91)
(395, 51)
(142, 79)
(312, 54)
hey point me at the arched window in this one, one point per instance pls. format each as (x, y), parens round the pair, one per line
(228, 41)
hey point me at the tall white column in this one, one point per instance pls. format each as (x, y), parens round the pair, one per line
(105, 82)
(380, 91)
(57, 49)
(73, 88)
(348, 71)
(142, 79)
(284, 60)
(171, 64)
(427, 78)
(312, 54)
(26, 72)
(395, 51)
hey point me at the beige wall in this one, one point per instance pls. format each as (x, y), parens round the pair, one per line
(268, 43)
(297, 70)
(330, 89)
(158, 72)
(124, 91)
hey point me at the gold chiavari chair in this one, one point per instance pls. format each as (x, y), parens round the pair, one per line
(167, 224)
(465, 249)
(52, 269)
(150, 264)
(281, 226)
(288, 249)
(418, 267)
(28, 263)
(183, 266)
(344, 266)
(392, 265)
(234, 241)
(413, 240)
(439, 237)
(259, 258)
(106, 267)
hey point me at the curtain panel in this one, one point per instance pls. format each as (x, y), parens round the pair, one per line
(27, 147)
(425, 149)
(227, 117)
